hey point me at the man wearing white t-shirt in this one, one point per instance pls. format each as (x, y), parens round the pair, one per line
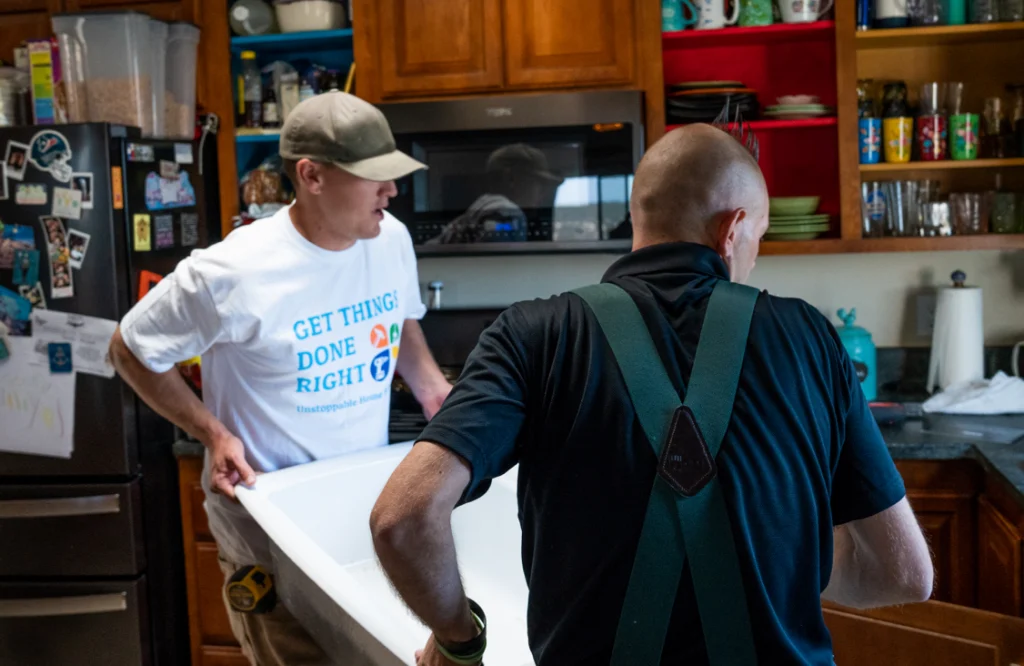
(299, 319)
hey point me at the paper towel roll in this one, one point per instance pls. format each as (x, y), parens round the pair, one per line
(958, 339)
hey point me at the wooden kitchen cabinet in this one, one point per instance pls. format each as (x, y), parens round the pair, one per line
(19, 27)
(568, 43)
(1000, 562)
(210, 635)
(437, 47)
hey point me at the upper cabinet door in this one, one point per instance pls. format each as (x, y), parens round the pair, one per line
(568, 42)
(438, 46)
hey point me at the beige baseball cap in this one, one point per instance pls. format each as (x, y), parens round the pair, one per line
(350, 133)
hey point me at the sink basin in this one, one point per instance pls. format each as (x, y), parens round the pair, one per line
(326, 573)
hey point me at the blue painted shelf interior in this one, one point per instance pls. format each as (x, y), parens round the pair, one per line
(330, 48)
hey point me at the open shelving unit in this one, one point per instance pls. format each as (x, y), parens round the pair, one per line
(820, 155)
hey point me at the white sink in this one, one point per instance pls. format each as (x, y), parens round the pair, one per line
(326, 573)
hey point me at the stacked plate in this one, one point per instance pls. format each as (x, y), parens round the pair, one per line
(795, 218)
(702, 101)
(795, 107)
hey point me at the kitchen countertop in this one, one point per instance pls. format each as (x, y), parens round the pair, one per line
(935, 437)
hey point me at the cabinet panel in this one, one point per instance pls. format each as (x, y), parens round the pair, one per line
(223, 656)
(569, 43)
(18, 6)
(1000, 562)
(948, 524)
(19, 27)
(165, 11)
(928, 634)
(438, 46)
(213, 616)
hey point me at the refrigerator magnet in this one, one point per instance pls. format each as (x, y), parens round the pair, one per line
(58, 255)
(16, 160)
(50, 151)
(116, 189)
(183, 153)
(141, 232)
(67, 203)
(60, 356)
(140, 152)
(26, 267)
(83, 183)
(168, 169)
(189, 229)
(15, 237)
(147, 280)
(30, 194)
(163, 229)
(34, 295)
(78, 244)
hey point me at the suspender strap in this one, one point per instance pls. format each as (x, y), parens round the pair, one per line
(678, 526)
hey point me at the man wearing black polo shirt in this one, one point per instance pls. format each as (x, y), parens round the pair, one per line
(816, 505)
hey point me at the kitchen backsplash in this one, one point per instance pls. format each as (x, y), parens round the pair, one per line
(884, 287)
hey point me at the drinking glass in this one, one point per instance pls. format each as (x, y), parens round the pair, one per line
(969, 211)
(1004, 212)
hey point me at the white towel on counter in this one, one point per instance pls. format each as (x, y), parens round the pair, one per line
(1000, 395)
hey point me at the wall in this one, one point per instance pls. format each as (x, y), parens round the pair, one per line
(883, 287)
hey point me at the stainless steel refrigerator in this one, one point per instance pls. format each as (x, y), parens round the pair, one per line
(91, 563)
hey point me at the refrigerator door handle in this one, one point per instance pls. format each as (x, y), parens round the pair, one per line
(56, 606)
(59, 507)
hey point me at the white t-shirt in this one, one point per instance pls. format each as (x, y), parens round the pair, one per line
(298, 344)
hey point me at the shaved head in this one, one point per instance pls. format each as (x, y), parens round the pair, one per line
(700, 185)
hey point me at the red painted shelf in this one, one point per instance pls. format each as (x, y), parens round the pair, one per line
(764, 125)
(777, 32)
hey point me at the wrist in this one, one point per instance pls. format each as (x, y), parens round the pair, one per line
(211, 432)
(465, 645)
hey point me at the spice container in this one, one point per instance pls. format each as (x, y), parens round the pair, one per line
(106, 67)
(158, 73)
(180, 104)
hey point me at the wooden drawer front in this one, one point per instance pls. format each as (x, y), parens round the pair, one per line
(213, 617)
(200, 523)
(223, 656)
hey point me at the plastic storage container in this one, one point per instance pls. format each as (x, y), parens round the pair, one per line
(158, 70)
(106, 67)
(307, 15)
(182, 44)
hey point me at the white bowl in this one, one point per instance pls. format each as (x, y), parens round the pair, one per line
(792, 100)
(310, 15)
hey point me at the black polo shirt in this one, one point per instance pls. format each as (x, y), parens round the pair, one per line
(801, 455)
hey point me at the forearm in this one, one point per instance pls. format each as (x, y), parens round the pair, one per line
(861, 579)
(167, 393)
(419, 369)
(418, 555)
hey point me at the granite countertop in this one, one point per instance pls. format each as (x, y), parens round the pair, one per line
(933, 437)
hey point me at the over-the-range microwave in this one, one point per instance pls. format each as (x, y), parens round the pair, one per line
(519, 173)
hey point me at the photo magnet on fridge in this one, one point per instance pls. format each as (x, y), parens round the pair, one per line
(83, 183)
(67, 203)
(26, 267)
(57, 251)
(16, 160)
(163, 229)
(30, 194)
(15, 237)
(78, 242)
(60, 356)
(34, 295)
(141, 233)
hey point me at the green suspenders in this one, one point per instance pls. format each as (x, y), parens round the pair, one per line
(678, 526)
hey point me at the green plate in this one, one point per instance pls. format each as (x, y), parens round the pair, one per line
(810, 235)
(797, 229)
(789, 221)
(779, 206)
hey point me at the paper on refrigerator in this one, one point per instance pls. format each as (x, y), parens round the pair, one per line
(37, 408)
(89, 338)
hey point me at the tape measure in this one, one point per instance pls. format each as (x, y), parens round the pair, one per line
(251, 590)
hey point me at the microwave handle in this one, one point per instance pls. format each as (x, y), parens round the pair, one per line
(57, 606)
(60, 507)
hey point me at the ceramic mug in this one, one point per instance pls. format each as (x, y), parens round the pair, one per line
(673, 15)
(803, 11)
(712, 14)
(897, 134)
(755, 12)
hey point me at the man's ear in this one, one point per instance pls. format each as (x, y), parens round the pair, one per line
(728, 229)
(310, 175)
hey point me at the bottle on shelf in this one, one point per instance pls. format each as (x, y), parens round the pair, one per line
(252, 91)
(897, 123)
(305, 91)
(271, 110)
(869, 125)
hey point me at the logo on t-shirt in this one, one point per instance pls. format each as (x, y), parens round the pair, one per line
(380, 365)
(395, 333)
(379, 337)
